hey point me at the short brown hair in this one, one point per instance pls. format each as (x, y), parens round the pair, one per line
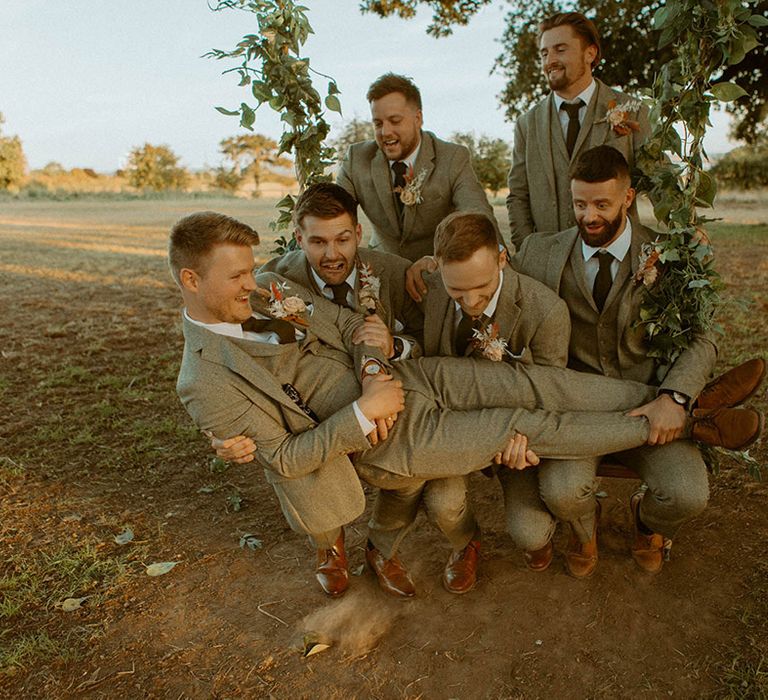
(194, 236)
(325, 200)
(600, 164)
(392, 82)
(584, 28)
(461, 234)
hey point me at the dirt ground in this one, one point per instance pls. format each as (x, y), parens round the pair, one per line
(93, 440)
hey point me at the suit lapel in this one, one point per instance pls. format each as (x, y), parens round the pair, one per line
(508, 310)
(597, 133)
(558, 258)
(544, 121)
(238, 355)
(437, 309)
(382, 181)
(424, 161)
(640, 235)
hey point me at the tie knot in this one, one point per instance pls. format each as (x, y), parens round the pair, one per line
(572, 108)
(340, 292)
(399, 168)
(605, 257)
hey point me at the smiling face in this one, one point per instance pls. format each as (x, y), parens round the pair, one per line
(473, 282)
(397, 125)
(330, 245)
(601, 209)
(219, 291)
(566, 61)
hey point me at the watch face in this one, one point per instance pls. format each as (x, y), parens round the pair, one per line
(372, 369)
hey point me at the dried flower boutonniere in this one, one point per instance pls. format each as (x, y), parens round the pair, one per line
(411, 193)
(370, 288)
(648, 269)
(618, 117)
(493, 348)
(288, 308)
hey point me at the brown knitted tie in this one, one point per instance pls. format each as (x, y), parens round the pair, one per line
(284, 330)
(603, 281)
(572, 134)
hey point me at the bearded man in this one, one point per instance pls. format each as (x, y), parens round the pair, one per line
(593, 266)
(581, 112)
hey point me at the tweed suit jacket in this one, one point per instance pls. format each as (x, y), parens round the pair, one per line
(539, 183)
(400, 313)
(531, 318)
(225, 390)
(450, 185)
(545, 258)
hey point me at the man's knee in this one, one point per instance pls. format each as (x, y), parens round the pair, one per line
(530, 530)
(446, 501)
(567, 491)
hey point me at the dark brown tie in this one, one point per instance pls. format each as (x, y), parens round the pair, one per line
(604, 280)
(465, 331)
(340, 293)
(284, 330)
(572, 134)
(399, 169)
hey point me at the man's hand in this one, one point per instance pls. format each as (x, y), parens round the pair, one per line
(383, 426)
(666, 417)
(414, 283)
(383, 397)
(374, 332)
(516, 454)
(238, 449)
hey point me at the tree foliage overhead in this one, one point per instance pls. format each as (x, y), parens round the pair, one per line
(13, 164)
(630, 43)
(155, 168)
(491, 159)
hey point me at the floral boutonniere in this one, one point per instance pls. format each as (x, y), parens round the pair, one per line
(370, 288)
(648, 270)
(411, 193)
(618, 117)
(288, 308)
(492, 347)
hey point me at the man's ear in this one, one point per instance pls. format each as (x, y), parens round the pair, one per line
(630, 196)
(503, 258)
(297, 235)
(359, 233)
(189, 279)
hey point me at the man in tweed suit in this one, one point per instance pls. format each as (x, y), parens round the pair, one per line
(571, 119)
(407, 180)
(593, 267)
(286, 372)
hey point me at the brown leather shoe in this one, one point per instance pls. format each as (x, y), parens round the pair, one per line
(331, 572)
(460, 573)
(539, 559)
(393, 578)
(731, 428)
(734, 387)
(581, 558)
(647, 550)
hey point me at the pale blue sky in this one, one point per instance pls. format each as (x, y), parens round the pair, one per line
(83, 81)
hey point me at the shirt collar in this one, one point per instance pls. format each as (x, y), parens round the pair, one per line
(618, 248)
(585, 95)
(489, 310)
(321, 284)
(233, 330)
(410, 161)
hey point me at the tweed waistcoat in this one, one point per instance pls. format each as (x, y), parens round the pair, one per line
(560, 167)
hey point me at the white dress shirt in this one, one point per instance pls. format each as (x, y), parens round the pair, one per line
(410, 161)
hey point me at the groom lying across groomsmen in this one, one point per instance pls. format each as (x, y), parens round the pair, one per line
(274, 362)
(593, 267)
(527, 315)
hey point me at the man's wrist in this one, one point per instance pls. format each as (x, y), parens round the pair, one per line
(681, 399)
(372, 367)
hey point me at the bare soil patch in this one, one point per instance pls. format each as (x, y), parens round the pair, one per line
(93, 439)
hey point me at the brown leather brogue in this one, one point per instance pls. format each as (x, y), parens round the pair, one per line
(581, 557)
(331, 572)
(734, 387)
(539, 559)
(460, 573)
(647, 550)
(731, 428)
(392, 575)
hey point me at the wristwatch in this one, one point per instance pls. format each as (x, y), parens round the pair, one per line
(679, 398)
(372, 367)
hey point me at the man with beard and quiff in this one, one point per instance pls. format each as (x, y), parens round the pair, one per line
(592, 266)
(570, 120)
(408, 180)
